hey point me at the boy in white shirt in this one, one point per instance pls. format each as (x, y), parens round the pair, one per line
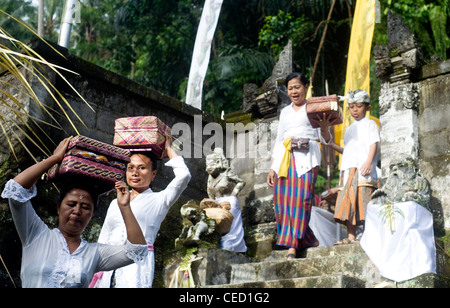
(358, 166)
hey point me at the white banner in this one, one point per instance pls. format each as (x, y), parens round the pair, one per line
(202, 51)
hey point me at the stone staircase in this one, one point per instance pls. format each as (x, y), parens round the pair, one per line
(345, 266)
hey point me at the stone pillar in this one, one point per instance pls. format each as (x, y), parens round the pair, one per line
(256, 198)
(414, 113)
(397, 66)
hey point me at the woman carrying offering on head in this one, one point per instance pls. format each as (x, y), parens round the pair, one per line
(150, 209)
(60, 258)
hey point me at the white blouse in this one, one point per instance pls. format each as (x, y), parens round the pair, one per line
(46, 260)
(296, 124)
(150, 208)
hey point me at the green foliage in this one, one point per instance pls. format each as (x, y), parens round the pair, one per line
(428, 20)
(278, 29)
(322, 179)
(228, 73)
(446, 241)
(21, 9)
(151, 41)
(387, 213)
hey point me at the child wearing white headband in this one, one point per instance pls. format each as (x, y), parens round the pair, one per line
(358, 166)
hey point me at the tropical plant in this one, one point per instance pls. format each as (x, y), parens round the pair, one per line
(19, 60)
(428, 20)
(277, 30)
(227, 74)
(20, 9)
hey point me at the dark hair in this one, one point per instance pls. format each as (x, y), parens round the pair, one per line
(149, 155)
(294, 75)
(83, 186)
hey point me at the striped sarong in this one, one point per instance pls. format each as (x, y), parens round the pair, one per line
(293, 198)
(351, 204)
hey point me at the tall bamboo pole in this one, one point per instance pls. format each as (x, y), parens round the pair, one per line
(322, 40)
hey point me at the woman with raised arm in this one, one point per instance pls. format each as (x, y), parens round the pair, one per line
(60, 258)
(150, 209)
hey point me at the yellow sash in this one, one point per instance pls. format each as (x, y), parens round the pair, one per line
(284, 167)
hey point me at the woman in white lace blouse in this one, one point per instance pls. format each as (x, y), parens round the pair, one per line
(60, 257)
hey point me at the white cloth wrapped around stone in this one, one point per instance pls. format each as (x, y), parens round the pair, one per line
(234, 239)
(407, 252)
(324, 227)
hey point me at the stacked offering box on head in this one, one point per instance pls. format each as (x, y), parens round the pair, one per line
(317, 106)
(144, 133)
(98, 164)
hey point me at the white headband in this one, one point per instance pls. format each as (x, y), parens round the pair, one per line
(357, 96)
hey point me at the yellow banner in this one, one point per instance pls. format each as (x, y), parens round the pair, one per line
(358, 63)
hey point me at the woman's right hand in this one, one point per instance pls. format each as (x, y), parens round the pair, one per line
(61, 149)
(168, 147)
(30, 175)
(271, 178)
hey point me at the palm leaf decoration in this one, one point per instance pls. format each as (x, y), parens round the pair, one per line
(20, 61)
(387, 213)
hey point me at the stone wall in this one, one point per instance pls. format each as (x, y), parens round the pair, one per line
(434, 135)
(414, 109)
(256, 199)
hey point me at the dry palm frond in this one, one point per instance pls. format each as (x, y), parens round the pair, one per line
(7, 271)
(20, 61)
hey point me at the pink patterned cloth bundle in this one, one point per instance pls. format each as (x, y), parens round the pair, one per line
(91, 161)
(143, 133)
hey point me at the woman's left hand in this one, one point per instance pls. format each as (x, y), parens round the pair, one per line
(123, 194)
(324, 122)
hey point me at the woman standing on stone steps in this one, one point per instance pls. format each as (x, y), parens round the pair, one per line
(295, 165)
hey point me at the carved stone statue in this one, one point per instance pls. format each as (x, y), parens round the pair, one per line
(266, 101)
(224, 186)
(404, 183)
(221, 180)
(197, 228)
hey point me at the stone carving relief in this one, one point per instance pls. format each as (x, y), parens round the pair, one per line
(197, 228)
(265, 102)
(222, 181)
(404, 183)
(402, 96)
(399, 60)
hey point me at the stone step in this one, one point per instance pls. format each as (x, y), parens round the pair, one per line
(324, 281)
(343, 266)
(324, 251)
(349, 265)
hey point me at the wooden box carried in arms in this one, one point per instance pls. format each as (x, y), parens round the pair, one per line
(317, 106)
